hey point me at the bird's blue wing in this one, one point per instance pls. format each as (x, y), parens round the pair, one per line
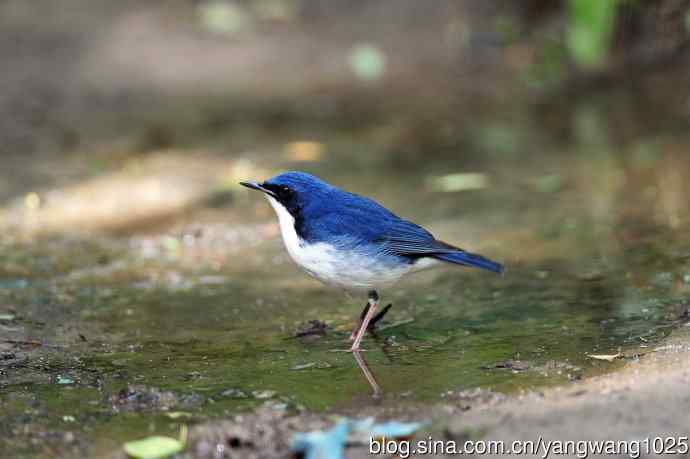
(367, 222)
(404, 238)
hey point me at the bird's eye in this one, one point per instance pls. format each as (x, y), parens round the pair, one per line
(284, 192)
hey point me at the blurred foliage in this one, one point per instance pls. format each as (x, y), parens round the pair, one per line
(549, 69)
(549, 183)
(277, 10)
(224, 17)
(590, 29)
(461, 181)
(367, 62)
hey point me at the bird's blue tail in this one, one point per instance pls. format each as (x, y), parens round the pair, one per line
(470, 259)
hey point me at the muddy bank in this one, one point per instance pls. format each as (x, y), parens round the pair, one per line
(648, 397)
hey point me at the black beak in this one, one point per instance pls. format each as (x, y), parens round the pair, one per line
(257, 186)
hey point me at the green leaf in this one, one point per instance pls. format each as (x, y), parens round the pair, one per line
(589, 30)
(155, 447)
(461, 181)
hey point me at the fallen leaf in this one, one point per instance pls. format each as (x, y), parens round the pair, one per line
(263, 394)
(64, 380)
(322, 443)
(154, 447)
(606, 357)
(178, 414)
(303, 366)
(234, 393)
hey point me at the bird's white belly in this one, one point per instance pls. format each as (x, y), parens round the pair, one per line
(350, 270)
(346, 269)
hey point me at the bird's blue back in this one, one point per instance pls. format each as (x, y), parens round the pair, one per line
(341, 213)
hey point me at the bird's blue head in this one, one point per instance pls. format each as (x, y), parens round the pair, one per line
(294, 190)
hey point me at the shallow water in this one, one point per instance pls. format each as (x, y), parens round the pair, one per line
(203, 312)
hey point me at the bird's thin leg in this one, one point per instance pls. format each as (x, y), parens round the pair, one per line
(371, 379)
(359, 322)
(374, 320)
(373, 303)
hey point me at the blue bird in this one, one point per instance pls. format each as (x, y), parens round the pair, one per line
(352, 242)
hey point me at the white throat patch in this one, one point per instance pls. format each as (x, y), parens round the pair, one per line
(287, 228)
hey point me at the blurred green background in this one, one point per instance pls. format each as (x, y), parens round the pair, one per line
(90, 88)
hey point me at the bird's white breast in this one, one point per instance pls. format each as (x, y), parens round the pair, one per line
(287, 229)
(350, 269)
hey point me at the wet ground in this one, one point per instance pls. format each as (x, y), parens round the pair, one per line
(147, 291)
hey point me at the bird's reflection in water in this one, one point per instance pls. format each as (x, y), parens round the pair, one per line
(368, 374)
